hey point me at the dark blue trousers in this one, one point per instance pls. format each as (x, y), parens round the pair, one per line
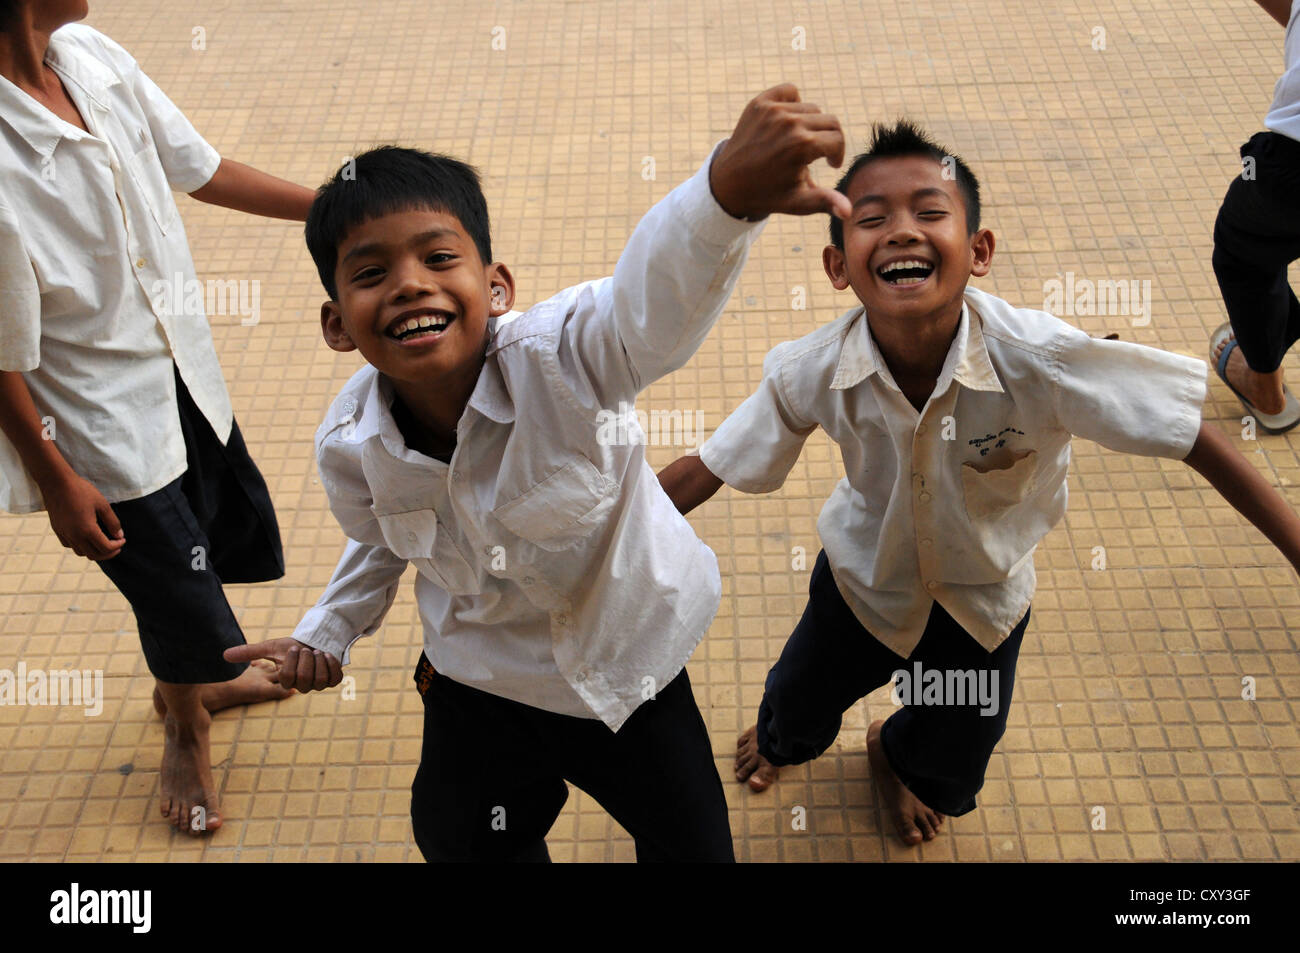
(939, 743)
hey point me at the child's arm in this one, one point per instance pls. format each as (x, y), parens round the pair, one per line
(354, 604)
(245, 189)
(79, 515)
(688, 482)
(681, 263)
(1279, 10)
(1214, 457)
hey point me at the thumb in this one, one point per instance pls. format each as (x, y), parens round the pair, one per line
(274, 649)
(108, 519)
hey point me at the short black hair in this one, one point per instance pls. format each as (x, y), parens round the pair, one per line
(905, 138)
(390, 179)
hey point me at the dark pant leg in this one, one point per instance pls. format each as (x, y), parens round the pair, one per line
(656, 777)
(829, 662)
(1256, 236)
(184, 619)
(229, 498)
(941, 751)
(484, 790)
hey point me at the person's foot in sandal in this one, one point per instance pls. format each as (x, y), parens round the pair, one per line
(1263, 395)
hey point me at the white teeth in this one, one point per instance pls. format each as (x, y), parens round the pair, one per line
(909, 263)
(424, 321)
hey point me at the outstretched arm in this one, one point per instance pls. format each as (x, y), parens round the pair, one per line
(688, 483)
(1214, 457)
(245, 189)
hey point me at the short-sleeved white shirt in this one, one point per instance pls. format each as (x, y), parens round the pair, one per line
(947, 505)
(89, 235)
(1284, 115)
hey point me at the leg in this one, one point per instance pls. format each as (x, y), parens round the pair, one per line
(483, 791)
(829, 662)
(656, 777)
(1255, 237)
(185, 623)
(930, 756)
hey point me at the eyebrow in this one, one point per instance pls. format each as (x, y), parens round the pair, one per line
(371, 247)
(930, 192)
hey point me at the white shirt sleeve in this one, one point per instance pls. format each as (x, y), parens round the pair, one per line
(187, 159)
(355, 602)
(20, 299)
(1128, 397)
(669, 287)
(755, 448)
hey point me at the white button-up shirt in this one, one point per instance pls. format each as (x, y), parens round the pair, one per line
(947, 505)
(553, 569)
(90, 245)
(1284, 115)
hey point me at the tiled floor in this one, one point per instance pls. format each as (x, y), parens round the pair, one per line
(1129, 737)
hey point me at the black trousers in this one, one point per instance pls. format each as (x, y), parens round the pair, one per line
(212, 525)
(1256, 236)
(938, 745)
(492, 771)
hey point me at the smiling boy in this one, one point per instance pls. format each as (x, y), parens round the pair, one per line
(561, 593)
(953, 412)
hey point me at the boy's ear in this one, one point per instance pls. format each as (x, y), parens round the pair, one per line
(981, 246)
(331, 327)
(833, 262)
(501, 297)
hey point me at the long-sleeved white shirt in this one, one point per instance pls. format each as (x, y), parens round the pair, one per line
(90, 238)
(553, 569)
(948, 504)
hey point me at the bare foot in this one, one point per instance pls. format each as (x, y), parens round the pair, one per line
(752, 766)
(1264, 391)
(189, 796)
(915, 822)
(257, 684)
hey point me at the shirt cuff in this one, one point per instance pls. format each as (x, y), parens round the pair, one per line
(324, 630)
(708, 220)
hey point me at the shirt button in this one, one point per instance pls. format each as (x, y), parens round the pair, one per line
(411, 537)
(924, 497)
(932, 585)
(921, 429)
(348, 406)
(456, 476)
(580, 676)
(140, 262)
(562, 619)
(529, 580)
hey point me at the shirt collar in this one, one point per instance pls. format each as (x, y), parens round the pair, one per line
(491, 398)
(967, 363)
(35, 123)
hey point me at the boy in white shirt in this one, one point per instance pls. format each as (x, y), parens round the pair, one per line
(954, 413)
(114, 412)
(561, 593)
(1256, 236)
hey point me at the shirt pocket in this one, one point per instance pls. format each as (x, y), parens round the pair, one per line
(991, 491)
(565, 508)
(146, 171)
(421, 539)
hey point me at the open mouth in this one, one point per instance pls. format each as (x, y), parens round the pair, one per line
(907, 271)
(424, 324)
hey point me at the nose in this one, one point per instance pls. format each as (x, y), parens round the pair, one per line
(409, 280)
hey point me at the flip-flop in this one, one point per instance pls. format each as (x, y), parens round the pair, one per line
(1277, 423)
